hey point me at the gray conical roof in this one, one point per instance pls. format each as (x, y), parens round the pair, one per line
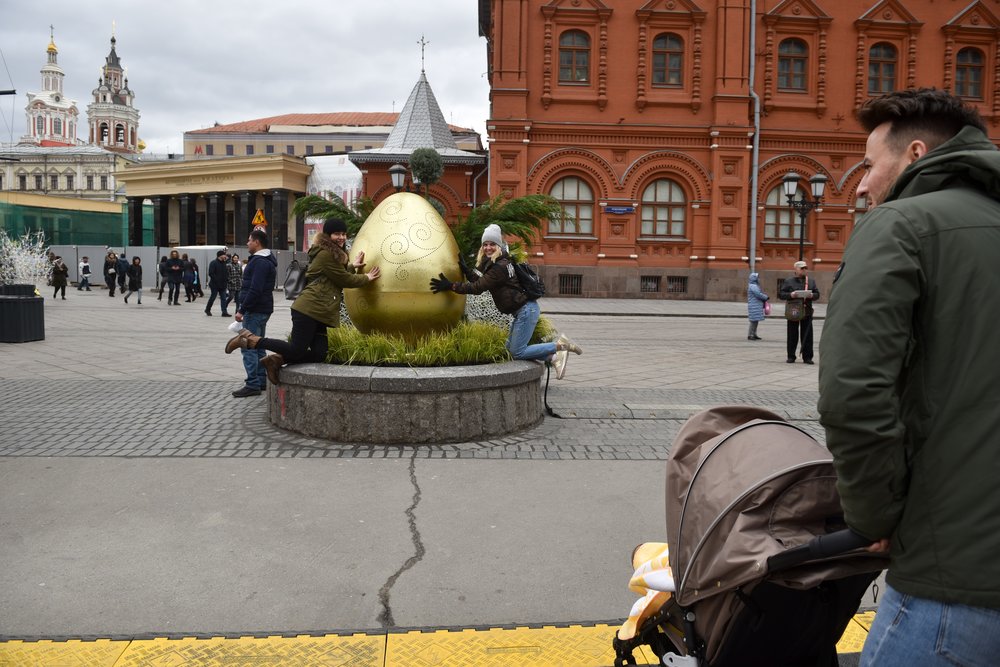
(421, 123)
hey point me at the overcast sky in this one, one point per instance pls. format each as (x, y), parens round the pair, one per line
(192, 63)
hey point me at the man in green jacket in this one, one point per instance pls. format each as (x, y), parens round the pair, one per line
(910, 378)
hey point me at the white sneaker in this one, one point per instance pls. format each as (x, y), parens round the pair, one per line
(565, 343)
(559, 362)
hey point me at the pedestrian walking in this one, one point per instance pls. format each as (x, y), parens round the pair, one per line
(134, 274)
(255, 310)
(495, 273)
(85, 273)
(908, 381)
(218, 279)
(234, 279)
(60, 277)
(175, 274)
(757, 303)
(121, 271)
(110, 271)
(330, 271)
(190, 279)
(162, 272)
(799, 292)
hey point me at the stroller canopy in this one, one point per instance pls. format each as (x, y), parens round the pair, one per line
(742, 485)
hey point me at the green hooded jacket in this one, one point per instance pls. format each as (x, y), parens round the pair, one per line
(909, 374)
(329, 272)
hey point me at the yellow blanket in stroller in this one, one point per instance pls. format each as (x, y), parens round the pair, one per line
(653, 579)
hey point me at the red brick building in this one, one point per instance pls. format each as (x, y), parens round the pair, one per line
(666, 126)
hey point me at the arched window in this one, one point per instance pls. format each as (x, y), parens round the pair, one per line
(793, 58)
(39, 126)
(119, 134)
(780, 221)
(104, 133)
(882, 59)
(57, 126)
(969, 73)
(668, 60)
(664, 207)
(577, 201)
(574, 57)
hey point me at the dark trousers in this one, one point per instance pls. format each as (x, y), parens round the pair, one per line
(109, 280)
(307, 344)
(174, 291)
(803, 329)
(223, 299)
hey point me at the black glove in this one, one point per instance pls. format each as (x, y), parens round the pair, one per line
(466, 271)
(441, 284)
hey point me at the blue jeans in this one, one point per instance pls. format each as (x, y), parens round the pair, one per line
(909, 631)
(255, 323)
(521, 329)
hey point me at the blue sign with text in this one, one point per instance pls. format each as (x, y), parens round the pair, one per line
(620, 210)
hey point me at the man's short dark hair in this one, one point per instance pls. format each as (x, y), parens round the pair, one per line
(928, 114)
(260, 236)
(220, 253)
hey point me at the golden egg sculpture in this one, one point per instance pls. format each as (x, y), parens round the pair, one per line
(409, 241)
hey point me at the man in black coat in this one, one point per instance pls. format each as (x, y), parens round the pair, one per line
(218, 278)
(121, 268)
(802, 290)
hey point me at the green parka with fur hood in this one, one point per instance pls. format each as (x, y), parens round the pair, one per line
(329, 272)
(909, 374)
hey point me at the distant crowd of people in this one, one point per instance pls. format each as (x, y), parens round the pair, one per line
(225, 278)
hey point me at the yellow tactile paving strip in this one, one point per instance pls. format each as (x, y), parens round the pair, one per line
(580, 646)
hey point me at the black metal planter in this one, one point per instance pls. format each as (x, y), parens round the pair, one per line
(22, 314)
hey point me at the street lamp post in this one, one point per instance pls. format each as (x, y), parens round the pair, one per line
(397, 173)
(788, 186)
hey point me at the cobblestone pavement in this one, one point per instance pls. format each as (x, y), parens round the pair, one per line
(157, 376)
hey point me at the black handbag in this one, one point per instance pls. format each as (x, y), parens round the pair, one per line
(295, 280)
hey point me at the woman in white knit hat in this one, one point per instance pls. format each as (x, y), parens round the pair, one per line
(494, 273)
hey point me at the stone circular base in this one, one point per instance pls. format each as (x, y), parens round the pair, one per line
(406, 406)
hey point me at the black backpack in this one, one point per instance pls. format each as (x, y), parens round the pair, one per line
(531, 284)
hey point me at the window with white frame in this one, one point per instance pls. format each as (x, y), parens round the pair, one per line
(664, 208)
(780, 220)
(577, 202)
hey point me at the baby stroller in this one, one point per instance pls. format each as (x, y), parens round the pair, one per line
(758, 568)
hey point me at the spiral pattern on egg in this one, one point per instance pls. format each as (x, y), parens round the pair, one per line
(396, 248)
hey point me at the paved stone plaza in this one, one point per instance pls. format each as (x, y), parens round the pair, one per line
(141, 499)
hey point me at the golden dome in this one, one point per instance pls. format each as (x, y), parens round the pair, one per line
(141, 145)
(52, 47)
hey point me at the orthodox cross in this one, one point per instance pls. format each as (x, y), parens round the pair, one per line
(423, 43)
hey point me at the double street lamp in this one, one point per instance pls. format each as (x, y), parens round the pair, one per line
(397, 173)
(788, 186)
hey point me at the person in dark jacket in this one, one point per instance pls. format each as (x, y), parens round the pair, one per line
(121, 271)
(134, 275)
(110, 271)
(255, 310)
(318, 306)
(163, 277)
(218, 279)
(802, 287)
(909, 389)
(60, 277)
(175, 274)
(495, 273)
(190, 279)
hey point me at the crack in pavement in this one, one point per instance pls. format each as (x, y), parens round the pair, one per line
(385, 617)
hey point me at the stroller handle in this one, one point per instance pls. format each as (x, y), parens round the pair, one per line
(819, 547)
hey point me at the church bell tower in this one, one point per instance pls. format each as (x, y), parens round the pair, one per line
(112, 116)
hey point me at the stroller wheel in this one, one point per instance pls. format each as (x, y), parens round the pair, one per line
(623, 653)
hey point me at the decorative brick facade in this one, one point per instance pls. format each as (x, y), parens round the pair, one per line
(640, 116)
